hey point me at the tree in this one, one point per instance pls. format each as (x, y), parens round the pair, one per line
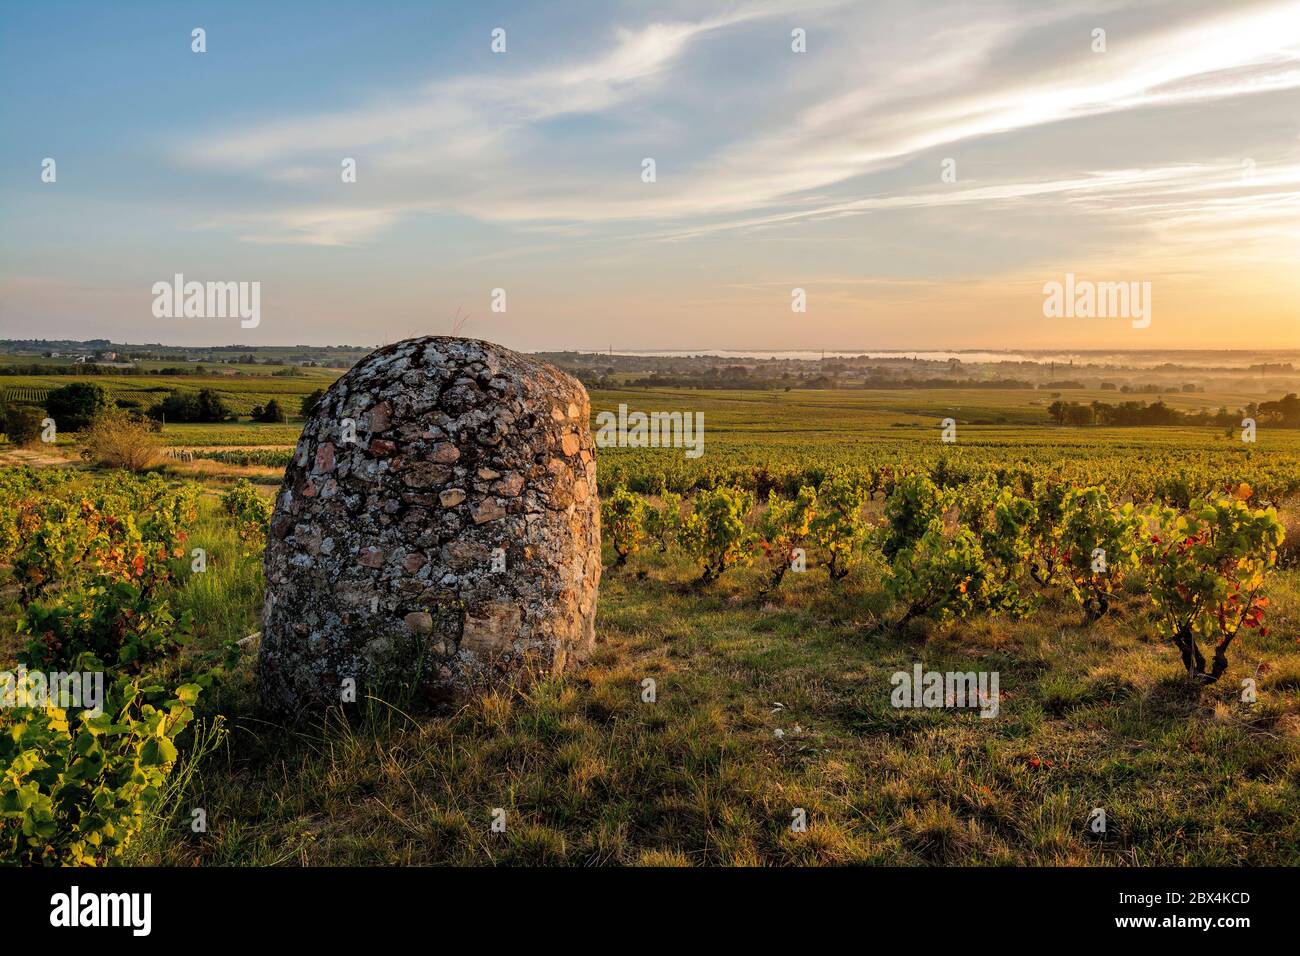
(273, 413)
(1077, 414)
(211, 407)
(75, 406)
(179, 406)
(22, 424)
(309, 403)
(1285, 411)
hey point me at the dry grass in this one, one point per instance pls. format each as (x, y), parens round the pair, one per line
(588, 774)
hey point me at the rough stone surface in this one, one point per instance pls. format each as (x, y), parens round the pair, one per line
(382, 561)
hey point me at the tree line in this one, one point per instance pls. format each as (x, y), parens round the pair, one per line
(1284, 412)
(75, 407)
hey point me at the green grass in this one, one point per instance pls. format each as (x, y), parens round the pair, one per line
(589, 774)
(252, 434)
(241, 389)
(225, 600)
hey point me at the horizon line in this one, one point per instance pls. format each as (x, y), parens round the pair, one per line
(687, 351)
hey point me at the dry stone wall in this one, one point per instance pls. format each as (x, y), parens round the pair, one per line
(439, 526)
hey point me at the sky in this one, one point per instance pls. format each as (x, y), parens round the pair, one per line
(921, 171)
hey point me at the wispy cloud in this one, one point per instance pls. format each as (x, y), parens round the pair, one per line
(476, 145)
(317, 226)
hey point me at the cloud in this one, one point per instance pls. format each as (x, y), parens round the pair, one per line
(480, 145)
(1162, 194)
(317, 226)
(467, 114)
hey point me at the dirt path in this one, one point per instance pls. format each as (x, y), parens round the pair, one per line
(39, 456)
(199, 469)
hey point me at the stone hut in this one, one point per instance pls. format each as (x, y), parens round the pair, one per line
(438, 527)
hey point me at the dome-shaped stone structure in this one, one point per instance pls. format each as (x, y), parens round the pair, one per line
(438, 526)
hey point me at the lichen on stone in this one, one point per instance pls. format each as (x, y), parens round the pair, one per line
(420, 468)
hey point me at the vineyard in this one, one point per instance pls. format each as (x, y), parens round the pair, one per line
(24, 395)
(1174, 477)
(102, 574)
(989, 548)
(1137, 591)
(261, 457)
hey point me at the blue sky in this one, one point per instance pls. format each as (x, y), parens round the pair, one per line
(1171, 156)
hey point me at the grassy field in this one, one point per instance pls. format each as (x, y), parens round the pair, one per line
(241, 388)
(765, 706)
(746, 428)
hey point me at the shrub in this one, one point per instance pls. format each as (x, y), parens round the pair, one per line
(250, 511)
(663, 523)
(1045, 532)
(782, 528)
(74, 406)
(1002, 522)
(623, 523)
(76, 791)
(59, 536)
(116, 439)
(939, 575)
(1099, 542)
(913, 506)
(22, 424)
(715, 533)
(123, 622)
(882, 479)
(1288, 555)
(1205, 574)
(839, 527)
(1175, 489)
